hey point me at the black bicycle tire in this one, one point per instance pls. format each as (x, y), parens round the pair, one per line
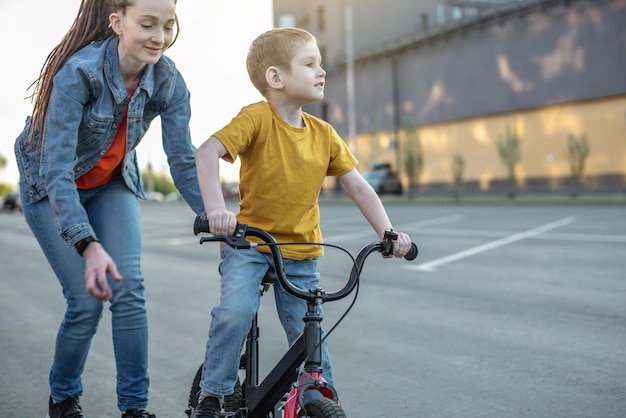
(322, 408)
(194, 393)
(232, 403)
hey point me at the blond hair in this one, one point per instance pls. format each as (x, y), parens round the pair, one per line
(276, 48)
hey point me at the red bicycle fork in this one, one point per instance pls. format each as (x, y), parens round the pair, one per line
(308, 386)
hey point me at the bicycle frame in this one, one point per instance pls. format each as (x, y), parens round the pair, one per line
(262, 397)
(302, 380)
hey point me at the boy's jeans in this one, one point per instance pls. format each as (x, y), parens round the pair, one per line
(114, 214)
(242, 271)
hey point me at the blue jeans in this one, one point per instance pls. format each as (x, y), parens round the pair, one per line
(242, 271)
(114, 214)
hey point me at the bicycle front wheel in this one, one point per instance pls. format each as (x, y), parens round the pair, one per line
(322, 408)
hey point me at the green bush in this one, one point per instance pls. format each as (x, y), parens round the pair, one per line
(157, 182)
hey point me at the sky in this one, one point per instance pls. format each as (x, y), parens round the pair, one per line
(210, 53)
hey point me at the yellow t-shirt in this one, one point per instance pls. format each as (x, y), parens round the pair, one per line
(282, 171)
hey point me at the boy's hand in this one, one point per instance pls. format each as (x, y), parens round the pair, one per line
(222, 222)
(402, 245)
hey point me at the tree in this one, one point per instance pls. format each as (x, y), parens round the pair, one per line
(511, 154)
(157, 182)
(577, 153)
(3, 162)
(414, 161)
(148, 178)
(4, 188)
(458, 164)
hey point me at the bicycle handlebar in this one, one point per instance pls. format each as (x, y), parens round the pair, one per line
(238, 241)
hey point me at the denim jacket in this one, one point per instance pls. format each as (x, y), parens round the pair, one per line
(84, 112)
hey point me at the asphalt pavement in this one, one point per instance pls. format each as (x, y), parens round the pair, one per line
(509, 311)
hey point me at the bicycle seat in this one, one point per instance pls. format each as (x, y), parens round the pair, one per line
(270, 277)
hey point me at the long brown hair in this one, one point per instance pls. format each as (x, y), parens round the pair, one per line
(91, 25)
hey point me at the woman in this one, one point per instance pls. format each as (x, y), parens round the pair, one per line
(97, 93)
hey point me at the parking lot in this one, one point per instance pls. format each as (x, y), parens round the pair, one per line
(509, 311)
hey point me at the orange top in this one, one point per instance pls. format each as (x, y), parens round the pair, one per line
(109, 164)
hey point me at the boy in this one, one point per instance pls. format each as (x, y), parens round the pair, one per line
(285, 156)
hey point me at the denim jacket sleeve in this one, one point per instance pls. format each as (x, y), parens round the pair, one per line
(68, 98)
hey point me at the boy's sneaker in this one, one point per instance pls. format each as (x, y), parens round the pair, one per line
(210, 407)
(137, 413)
(69, 408)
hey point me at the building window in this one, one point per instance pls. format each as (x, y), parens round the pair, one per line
(457, 13)
(441, 14)
(471, 12)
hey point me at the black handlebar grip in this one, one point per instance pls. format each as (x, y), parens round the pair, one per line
(412, 254)
(200, 225)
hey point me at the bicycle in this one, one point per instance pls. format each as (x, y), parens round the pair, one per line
(295, 387)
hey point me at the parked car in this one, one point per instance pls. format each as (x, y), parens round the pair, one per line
(155, 197)
(12, 202)
(173, 197)
(383, 179)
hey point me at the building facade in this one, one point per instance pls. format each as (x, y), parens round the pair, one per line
(439, 88)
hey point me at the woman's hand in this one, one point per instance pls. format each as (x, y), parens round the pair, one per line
(97, 264)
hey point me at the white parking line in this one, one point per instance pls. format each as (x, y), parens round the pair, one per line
(557, 236)
(433, 264)
(175, 242)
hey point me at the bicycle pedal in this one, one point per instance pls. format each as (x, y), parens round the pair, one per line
(234, 414)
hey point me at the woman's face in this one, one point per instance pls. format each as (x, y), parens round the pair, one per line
(146, 30)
